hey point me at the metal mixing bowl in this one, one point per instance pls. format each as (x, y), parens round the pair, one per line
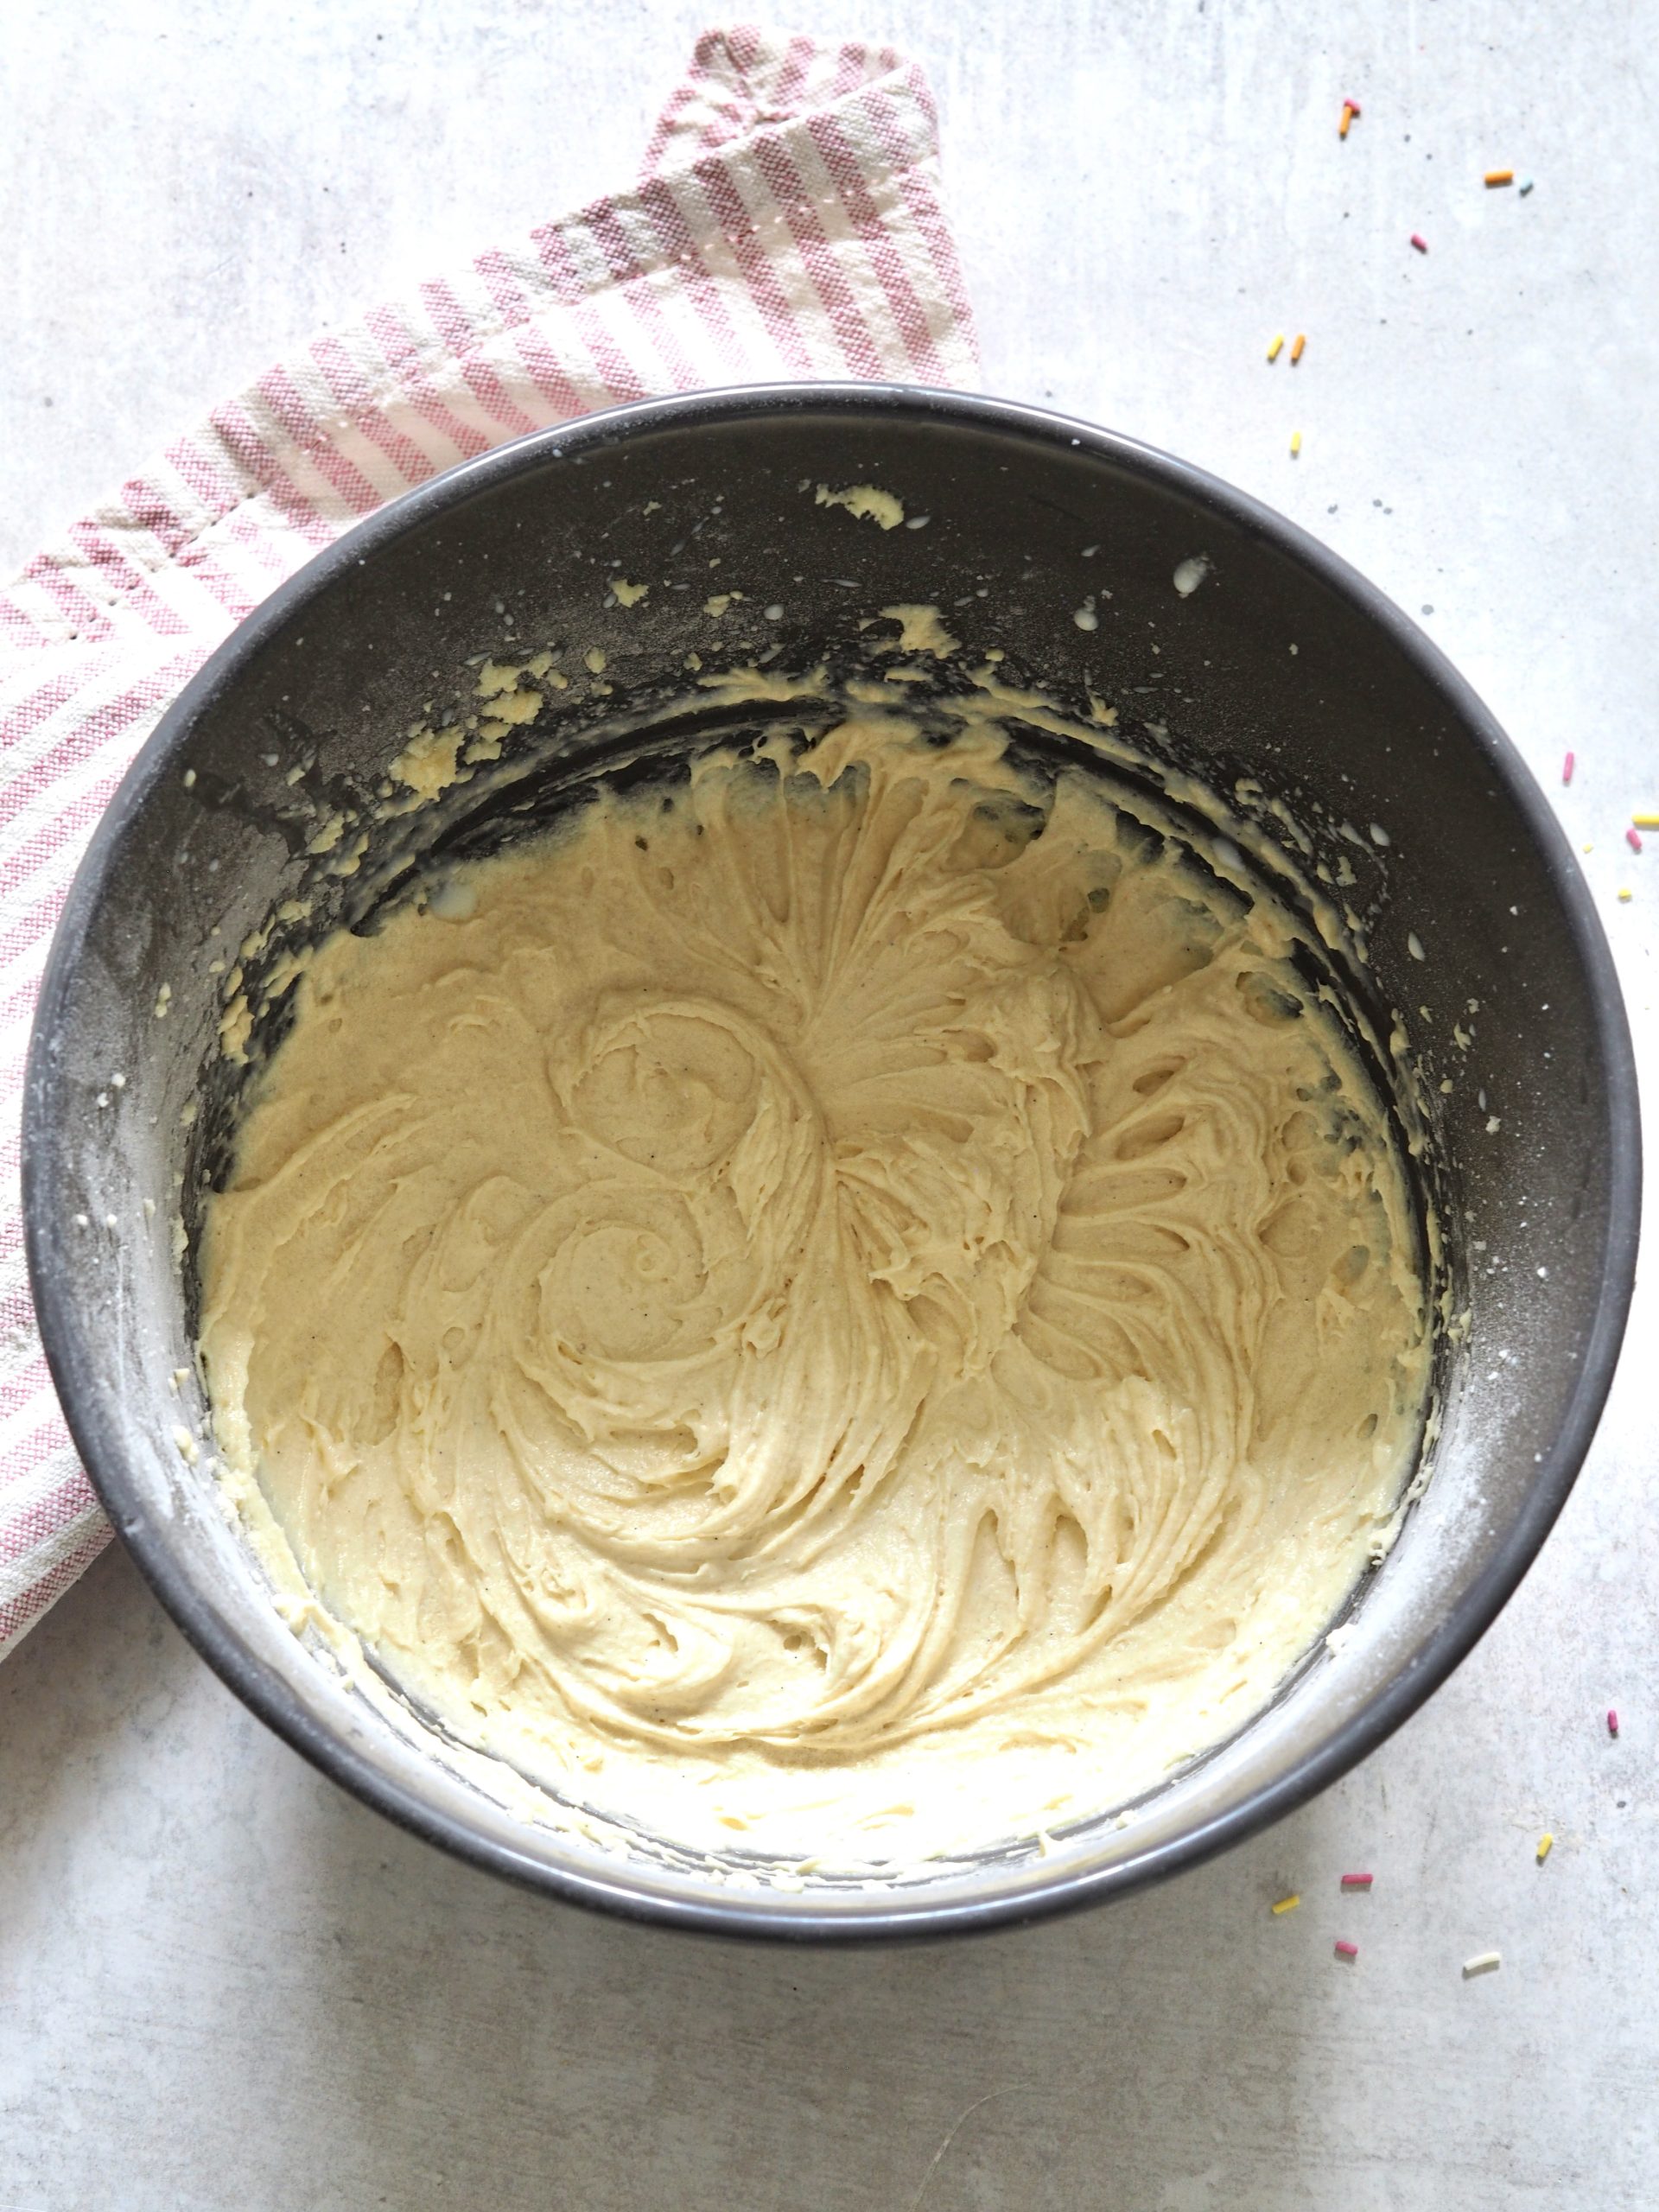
(1283, 665)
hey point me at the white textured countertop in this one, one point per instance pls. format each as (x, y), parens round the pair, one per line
(223, 1983)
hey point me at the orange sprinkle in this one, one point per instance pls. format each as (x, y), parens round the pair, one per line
(1499, 177)
(1347, 117)
(1296, 350)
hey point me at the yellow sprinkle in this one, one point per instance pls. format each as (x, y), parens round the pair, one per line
(1588, 848)
(1275, 350)
(1296, 351)
(1544, 1843)
(1500, 176)
(1645, 821)
(1289, 1904)
(1624, 895)
(1296, 443)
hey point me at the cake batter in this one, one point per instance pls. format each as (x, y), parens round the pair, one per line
(854, 1304)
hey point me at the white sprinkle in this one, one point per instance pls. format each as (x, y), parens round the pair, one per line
(1482, 1962)
(118, 1082)
(1086, 618)
(81, 1221)
(1543, 1275)
(1415, 945)
(1191, 574)
(189, 779)
(1493, 1125)
(1379, 835)
(109, 1222)
(189, 1450)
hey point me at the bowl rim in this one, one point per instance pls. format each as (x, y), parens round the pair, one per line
(683, 1901)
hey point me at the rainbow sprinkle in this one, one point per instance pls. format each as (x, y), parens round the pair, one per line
(1612, 1717)
(1297, 349)
(1296, 443)
(1498, 176)
(1545, 1843)
(1567, 769)
(1644, 821)
(1633, 840)
(1289, 1904)
(1347, 1950)
(1357, 1881)
(1419, 242)
(1277, 347)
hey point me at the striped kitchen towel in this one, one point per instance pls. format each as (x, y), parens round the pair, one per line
(787, 223)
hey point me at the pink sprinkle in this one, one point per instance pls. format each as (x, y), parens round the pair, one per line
(1567, 769)
(1633, 840)
(1419, 242)
(1353, 105)
(1357, 1881)
(1347, 1950)
(1612, 1722)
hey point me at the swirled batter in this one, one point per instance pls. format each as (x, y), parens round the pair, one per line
(855, 1301)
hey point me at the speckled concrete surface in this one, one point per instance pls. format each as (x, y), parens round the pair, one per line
(222, 1982)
